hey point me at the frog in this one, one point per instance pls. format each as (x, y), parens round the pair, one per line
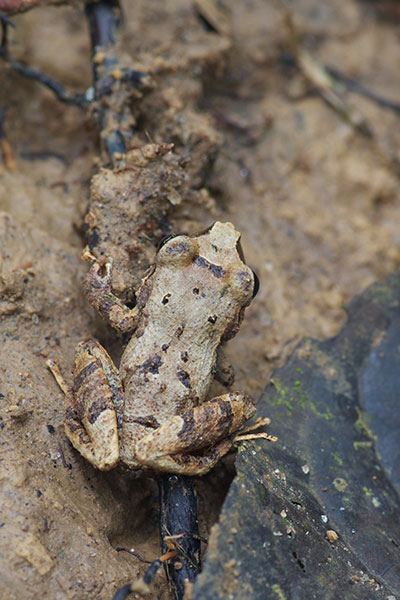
(153, 413)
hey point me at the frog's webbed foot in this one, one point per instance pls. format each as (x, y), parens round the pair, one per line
(91, 407)
(192, 443)
(99, 293)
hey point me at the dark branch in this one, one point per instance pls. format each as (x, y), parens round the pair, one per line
(104, 19)
(349, 83)
(358, 88)
(113, 84)
(179, 529)
(59, 91)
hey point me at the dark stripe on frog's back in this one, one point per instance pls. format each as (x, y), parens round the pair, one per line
(214, 269)
(184, 377)
(151, 365)
(142, 372)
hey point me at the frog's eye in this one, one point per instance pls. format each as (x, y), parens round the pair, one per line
(240, 251)
(178, 250)
(256, 284)
(164, 240)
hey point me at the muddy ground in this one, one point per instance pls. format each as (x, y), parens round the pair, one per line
(315, 198)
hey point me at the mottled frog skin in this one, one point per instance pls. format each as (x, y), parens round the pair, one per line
(153, 413)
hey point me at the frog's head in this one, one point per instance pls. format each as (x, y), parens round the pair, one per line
(220, 245)
(218, 251)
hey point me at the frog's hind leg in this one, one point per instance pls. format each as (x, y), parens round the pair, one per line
(91, 407)
(192, 443)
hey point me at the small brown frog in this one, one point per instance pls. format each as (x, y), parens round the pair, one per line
(153, 413)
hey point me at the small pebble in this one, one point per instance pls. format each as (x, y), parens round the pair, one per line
(331, 535)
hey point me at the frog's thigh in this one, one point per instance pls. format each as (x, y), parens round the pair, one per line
(175, 445)
(91, 413)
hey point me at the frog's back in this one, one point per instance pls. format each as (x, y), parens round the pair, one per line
(169, 361)
(192, 300)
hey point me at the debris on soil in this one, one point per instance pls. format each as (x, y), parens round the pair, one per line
(331, 535)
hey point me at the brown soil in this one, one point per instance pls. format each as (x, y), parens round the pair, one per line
(315, 199)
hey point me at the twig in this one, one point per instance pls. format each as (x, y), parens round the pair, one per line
(113, 84)
(132, 552)
(323, 82)
(59, 91)
(104, 20)
(347, 82)
(358, 88)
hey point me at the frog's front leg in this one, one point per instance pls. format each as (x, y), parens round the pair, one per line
(98, 292)
(93, 406)
(176, 445)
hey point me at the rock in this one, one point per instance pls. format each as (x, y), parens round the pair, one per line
(335, 408)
